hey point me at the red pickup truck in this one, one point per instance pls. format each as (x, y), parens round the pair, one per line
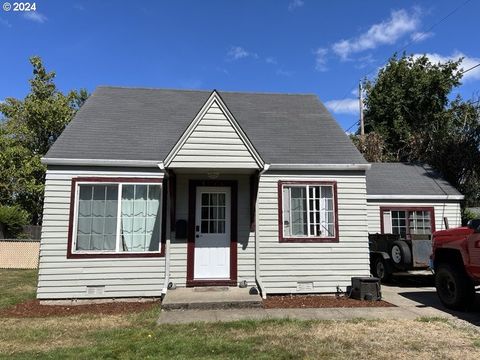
(456, 262)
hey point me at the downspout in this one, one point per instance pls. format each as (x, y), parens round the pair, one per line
(167, 234)
(257, 237)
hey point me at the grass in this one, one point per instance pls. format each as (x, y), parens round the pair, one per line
(131, 336)
(17, 286)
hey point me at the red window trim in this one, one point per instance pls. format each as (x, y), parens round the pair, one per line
(430, 209)
(73, 255)
(281, 238)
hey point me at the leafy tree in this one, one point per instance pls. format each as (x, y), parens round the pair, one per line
(29, 129)
(372, 146)
(456, 149)
(410, 117)
(13, 218)
(406, 103)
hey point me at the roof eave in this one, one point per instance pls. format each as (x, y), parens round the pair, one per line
(362, 167)
(415, 197)
(101, 162)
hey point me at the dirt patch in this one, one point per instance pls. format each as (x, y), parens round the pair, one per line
(318, 301)
(33, 308)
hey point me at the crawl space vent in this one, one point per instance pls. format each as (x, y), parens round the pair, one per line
(95, 290)
(303, 286)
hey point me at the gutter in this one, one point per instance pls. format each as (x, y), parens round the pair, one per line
(168, 236)
(363, 167)
(257, 238)
(101, 162)
(415, 197)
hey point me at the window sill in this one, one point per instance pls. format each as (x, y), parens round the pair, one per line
(308, 240)
(91, 255)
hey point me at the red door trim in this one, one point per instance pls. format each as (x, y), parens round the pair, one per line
(192, 192)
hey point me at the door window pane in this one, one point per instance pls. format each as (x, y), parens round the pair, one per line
(213, 212)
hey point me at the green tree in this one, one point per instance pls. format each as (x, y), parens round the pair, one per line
(29, 128)
(409, 117)
(406, 103)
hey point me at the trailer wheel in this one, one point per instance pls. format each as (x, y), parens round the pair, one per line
(454, 288)
(400, 253)
(382, 269)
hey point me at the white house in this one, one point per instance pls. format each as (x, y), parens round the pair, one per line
(149, 186)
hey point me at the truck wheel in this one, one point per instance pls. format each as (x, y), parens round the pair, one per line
(381, 269)
(454, 288)
(400, 253)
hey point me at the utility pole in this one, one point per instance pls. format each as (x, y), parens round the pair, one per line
(360, 103)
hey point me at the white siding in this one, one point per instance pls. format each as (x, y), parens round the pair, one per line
(246, 239)
(214, 143)
(450, 209)
(61, 278)
(326, 265)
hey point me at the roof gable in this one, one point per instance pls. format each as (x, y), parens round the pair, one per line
(214, 139)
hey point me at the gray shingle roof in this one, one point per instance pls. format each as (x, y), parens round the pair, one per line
(406, 179)
(144, 124)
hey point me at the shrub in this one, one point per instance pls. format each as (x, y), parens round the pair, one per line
(13, 218)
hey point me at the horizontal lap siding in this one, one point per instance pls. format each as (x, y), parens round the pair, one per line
(246, 239)
(450, 209)
(61, 278)
(214, 143)
(326, 265)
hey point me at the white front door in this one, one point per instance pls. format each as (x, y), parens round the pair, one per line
(212, 233)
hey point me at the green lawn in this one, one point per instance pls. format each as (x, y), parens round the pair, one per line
(17, 286)
(136, 336)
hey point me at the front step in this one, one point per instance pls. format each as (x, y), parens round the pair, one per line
(210, 298)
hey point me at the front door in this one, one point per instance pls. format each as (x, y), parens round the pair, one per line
(212, 233)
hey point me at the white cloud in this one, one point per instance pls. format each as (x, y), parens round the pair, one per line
(35, 16)
(295, 4)
(467, 63)
(78, 7)
(400, 23)
(321, 59)
(343, 106)
(420, 36)
(271, 60)
(238, 52)
(284, 72)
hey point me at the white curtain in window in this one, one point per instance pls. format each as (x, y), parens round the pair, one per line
(140, 217)
(97, 217)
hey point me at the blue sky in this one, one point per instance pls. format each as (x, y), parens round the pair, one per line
(298, 46)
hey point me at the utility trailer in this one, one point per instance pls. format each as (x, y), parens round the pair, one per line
(389, 254)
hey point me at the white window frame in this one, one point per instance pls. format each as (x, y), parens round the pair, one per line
(119, 213)
(307, 186)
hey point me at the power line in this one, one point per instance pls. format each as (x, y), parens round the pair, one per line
(419, 35)
(356, 123)
(415, 38)
(473, 67)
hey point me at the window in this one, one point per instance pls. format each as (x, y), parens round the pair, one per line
(308, 211)
(213, 213)
(116, 218)
(407, 221)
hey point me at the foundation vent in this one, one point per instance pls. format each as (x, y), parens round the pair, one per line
(96, 290)
(303, 286)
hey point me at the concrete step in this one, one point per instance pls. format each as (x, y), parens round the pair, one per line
(210, 298)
